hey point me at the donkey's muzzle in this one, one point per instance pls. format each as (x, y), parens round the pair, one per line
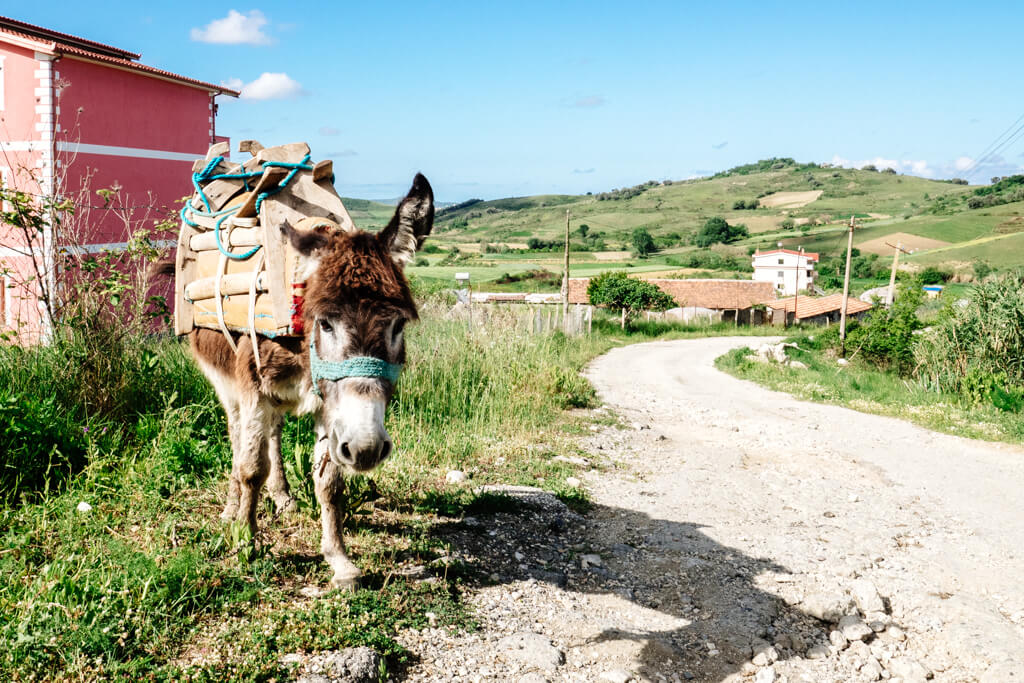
(359, 452)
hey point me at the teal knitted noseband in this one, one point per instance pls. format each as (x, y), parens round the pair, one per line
(358, 366)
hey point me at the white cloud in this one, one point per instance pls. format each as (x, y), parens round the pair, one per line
(269, 86)
(918, 167)
(234, 29)
(963, 163)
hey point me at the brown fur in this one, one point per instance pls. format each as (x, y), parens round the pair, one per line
(358, 283)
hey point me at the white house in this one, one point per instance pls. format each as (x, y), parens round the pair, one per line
(789, 271)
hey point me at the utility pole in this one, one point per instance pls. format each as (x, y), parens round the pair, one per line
(565, 276)
(846, 292)
(796, 285)
(891, 296)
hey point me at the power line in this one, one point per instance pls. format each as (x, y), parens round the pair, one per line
(988, 151)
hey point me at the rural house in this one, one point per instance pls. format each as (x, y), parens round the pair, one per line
(787, 270)
(78, 116)
(822, 310)
(717, 299)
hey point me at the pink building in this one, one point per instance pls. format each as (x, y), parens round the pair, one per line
(78, 116)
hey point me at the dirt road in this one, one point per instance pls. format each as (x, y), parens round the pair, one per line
(739, 534)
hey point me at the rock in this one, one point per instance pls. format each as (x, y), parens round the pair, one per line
(311, 591)
(590, 560)
(838, 639)
(854, 628)
(455, 477)
(910, 670)
(355, 664)
(84, 507)
(877, 625)
(532, 649)
(819, 651)
(824, 607)
(573, 482)
(866, 596)
(872, 670)
(853, 498)
(896, 633)
(842, 361)
(797, 365)
(616, 676)
(764, 654)
(765, 676)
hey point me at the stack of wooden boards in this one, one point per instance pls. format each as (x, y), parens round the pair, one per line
(234, 270)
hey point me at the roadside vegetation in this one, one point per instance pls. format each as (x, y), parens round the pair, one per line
(960, 371)
(116, 565)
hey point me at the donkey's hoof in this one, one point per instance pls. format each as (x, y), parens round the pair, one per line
(349, 584)
(229, 514)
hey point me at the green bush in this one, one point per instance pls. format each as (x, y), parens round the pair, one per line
(617, 290)
(977, 349)
(717, 230)
(886, 337)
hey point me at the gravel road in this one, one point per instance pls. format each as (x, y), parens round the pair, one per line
(739, 534)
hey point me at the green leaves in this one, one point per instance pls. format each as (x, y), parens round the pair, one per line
(615, 289)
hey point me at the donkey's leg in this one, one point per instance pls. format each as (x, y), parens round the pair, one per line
(235, 436)
(330, 490)
(277, 482)
(251, 461)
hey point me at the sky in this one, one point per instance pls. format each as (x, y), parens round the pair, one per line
(504, 99)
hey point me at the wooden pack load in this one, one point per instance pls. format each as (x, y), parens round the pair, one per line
(234, 269)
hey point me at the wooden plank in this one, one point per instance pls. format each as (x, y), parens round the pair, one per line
(218, 149)
(218, 192)
(236, 315)
(275, 255)
(250, 146)
(230, 285)
(184, 270)
(271, 177)
(307, 198)
(292, 153)
(240, 237)
(323, 170)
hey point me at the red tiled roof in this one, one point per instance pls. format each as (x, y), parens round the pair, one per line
(36, 32)
(810, 307)
(810, 255)
(712, 293)
(55, 42)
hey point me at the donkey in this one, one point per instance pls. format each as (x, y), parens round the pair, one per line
(343, 370)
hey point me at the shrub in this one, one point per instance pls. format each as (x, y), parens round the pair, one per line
(643, 243)
(933, 276)
(716, 230)
(886, 338)
(617, 290)
(787, 224)
(977, 349)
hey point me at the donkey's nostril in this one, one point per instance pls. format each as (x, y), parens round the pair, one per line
(386, 450)
(345, 453)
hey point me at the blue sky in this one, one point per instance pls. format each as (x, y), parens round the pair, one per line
(500, 99)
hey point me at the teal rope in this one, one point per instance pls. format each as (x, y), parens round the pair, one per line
(357, 366)
(207, 175)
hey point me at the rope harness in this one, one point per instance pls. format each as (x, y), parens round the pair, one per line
(207, 175)
(358, 366)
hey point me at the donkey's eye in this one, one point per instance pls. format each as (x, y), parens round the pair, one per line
(397, 329)
(326, 326)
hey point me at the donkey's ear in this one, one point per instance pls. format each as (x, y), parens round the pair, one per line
(305, 241)
(411, 223)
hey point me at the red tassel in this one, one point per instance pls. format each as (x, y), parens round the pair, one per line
(298, 297)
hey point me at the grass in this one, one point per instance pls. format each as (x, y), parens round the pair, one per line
(862, 387)
(146, 584)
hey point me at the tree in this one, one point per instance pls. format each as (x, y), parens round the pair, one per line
(643, 243)
(583, 230)
(787, 224)
(617, 290)
(716, 229)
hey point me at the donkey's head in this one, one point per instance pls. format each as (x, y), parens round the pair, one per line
(356, 305)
